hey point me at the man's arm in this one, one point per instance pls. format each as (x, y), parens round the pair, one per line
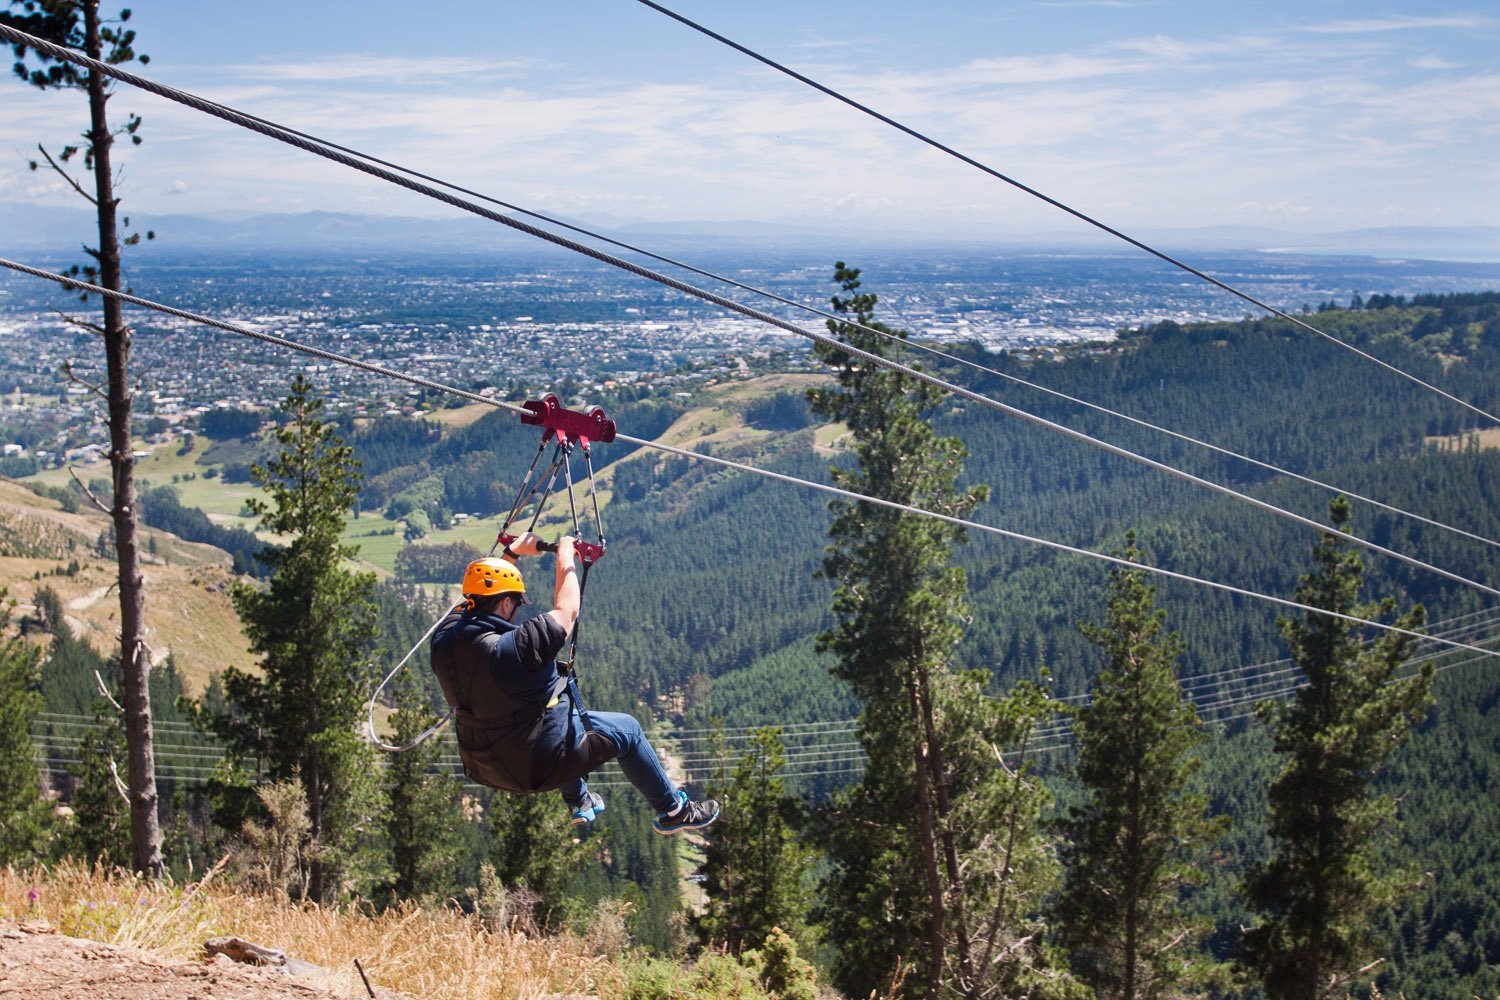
(567, 595)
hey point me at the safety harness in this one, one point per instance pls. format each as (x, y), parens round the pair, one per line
(567, 430)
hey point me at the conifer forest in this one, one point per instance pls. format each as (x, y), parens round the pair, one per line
(951, 763)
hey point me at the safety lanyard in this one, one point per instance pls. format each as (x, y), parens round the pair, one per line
(570, 429)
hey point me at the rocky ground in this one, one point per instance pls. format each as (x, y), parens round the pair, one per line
(37, 963)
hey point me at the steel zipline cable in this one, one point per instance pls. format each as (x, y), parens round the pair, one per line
(1187, 438)
(318, 148)
(83, 286)
(1055, 203)
(824, 314)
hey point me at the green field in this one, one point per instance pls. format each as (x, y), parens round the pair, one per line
(718, 418)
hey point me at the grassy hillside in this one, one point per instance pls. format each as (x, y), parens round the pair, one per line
(711, 584)
(440, 953)
(187, 601)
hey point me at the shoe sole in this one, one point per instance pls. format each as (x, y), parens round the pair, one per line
(679, 829)
(581, 820)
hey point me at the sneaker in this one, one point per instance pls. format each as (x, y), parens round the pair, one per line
(691, 816)
(585, 814)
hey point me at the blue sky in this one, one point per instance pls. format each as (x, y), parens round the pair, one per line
(1306, 116)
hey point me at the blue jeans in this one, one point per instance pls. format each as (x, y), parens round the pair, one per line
(634, 752)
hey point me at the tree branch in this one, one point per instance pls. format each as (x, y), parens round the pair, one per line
(67, 369)
(64, 175)
(83, 323)
(1337, 982)
(119, 784)
(105, 692)
(89, 493)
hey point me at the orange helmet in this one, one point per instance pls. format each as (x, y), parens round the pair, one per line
(489, 576)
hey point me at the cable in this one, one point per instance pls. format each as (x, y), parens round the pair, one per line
(374, 737)
(1186, 438)
(1046, 741)
(786, 729)
(282, 135)
(1055, 203)
(1239, 675)
(1270, 685)
(74, 283)
(766, 293)
(634, 248)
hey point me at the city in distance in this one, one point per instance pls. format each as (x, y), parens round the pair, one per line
(536, 318)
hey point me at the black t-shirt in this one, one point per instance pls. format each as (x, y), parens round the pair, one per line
(538, 641)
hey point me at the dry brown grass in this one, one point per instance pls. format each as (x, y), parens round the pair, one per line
(188, 609)
(1488, 439)
(423, 953)
(459, 416)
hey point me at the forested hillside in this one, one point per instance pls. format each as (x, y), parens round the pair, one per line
(714, 573)
(706, 607)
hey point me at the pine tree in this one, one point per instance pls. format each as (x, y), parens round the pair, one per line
(532, 850)
(100, 828)
(1316, 894)
(77, 24)
(1131, 846)
(309, 624)
(424, 820)
(25, 822)
(756, 873)
(918, 880)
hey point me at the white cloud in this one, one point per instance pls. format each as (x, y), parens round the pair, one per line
(1167, 127)
(1041, 69)
(388, 69)
(1398, 23)
(823, 44)
(1113, 4)
(1173, 50)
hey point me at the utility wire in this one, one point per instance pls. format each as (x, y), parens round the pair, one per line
(787, 728)
(77, 285)
(282, 135)
(1271, 684)
(1250, 685)
(1055, 203)
(1045, 740)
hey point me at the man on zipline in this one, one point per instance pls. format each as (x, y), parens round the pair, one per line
(520, 726)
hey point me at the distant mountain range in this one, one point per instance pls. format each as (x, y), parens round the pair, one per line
(33, 229)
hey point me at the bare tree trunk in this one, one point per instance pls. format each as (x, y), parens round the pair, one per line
(315, 789)
(937, 911)
(957, 916)
(1133, 841)
(135, 666)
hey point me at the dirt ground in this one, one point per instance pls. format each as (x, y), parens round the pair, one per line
(37, 963)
